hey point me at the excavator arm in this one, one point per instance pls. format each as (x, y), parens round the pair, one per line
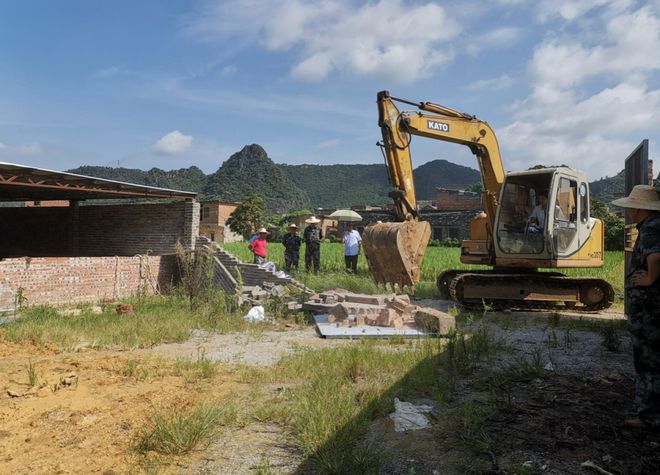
(438, 123)
(395, 251)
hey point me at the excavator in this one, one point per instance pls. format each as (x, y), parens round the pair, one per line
(502, 237)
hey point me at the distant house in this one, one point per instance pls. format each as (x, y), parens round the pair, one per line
(213, 218)
(457, 200)
(444, 224)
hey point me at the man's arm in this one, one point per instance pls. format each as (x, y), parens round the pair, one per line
(645, 278)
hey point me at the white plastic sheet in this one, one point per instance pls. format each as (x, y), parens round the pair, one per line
(256, 314)
(407, 416)
(269, 266)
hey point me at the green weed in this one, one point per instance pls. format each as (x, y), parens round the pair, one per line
(33, 378)
(157, 319)
(178, 431)
(200, 368)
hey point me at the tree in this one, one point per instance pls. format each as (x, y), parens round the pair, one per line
(249, 216)
(613, 223)
(475, 187)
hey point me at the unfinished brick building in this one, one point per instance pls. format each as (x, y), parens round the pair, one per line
(104, 239)
(212, 221)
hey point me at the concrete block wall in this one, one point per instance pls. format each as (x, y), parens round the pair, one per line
(250, 274)
(69, 280)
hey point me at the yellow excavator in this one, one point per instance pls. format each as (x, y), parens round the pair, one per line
(534, 219)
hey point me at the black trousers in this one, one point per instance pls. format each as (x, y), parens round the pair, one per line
(351, 263)
(291, 259)
(313, 257)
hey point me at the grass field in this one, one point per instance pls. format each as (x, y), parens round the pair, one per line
(436, 260)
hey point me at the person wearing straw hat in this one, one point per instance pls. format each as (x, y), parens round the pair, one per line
(312, 237)
(292, 243)
(643, 303)
(259, 247)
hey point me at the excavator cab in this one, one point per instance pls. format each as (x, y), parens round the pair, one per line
(543, 218)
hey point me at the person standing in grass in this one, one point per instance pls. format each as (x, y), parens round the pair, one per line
(643, 303)
(292, 243)
(259, 247)
(352, 244)
(313, 237)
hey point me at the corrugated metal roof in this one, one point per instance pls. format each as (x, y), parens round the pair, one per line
(24, 183)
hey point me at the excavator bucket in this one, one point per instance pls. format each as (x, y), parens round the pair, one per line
(395, 251)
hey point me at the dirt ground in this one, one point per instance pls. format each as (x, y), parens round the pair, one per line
(86, 411)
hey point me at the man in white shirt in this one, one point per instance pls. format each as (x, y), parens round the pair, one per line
(536, 221)
(352, 244)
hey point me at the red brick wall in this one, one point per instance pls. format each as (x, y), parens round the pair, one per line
(70, 280)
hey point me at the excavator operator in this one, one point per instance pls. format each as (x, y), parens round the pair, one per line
(536, 220)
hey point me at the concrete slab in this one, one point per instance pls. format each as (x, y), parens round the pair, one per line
(331, 330)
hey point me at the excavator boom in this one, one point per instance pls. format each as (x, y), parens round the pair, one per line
(395, 250)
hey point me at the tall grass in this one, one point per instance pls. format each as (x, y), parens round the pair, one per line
(333, 395)
(157, 319)
(178, 431)
(436, 260)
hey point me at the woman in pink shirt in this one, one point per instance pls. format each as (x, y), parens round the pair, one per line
(258, 247)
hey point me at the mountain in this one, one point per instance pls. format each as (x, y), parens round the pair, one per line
(189, 179)
(438, 173)
(606, 188)
(341, 186)
(251, 170)
(290, 187)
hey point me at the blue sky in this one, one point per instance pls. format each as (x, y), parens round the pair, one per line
(178, 83)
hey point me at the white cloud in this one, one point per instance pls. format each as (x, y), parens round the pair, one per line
(172, 143)
(389, 38)
(332, 143)
(21, 150)
(593, 95)
(28, 150)
(229, 70)
(500, 37)
(501, 82)
(107, 72)
(631, 45)
(572, 9)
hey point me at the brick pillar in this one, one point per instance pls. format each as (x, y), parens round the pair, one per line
(191, 224)
(73, 231)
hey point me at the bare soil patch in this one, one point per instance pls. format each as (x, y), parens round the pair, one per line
(549, 423)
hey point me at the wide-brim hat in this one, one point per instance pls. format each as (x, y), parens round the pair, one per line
(313, 220)
(263, 230)
(293, 225)
(641, 197)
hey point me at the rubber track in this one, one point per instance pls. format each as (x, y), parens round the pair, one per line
(448, 275)
(561, 281)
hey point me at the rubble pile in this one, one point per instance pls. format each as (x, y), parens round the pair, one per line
(347, 309)
(291, 294)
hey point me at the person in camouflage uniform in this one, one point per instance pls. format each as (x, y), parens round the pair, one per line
(292, 244)
(313, 236)
(643, 303)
